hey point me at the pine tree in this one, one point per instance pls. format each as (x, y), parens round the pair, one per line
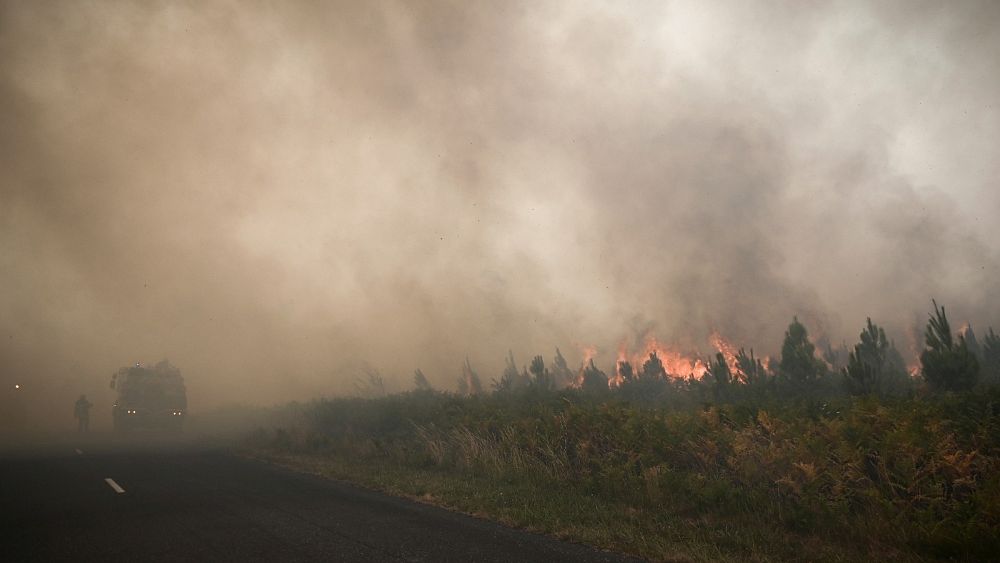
(625, 371)
(970, 340)
(798, 359)
(510, 378)
(469, 384)
(991, 358)
(420, 381)
(720, 375)
(875, 366)
(947, 364)
(751, 370)
(561, 373)
(371, 384)
(653, 368)
(540, 376)
(649, 384)
(592, 379)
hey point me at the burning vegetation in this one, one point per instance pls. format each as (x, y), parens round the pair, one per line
(819, 453)
(950, 361)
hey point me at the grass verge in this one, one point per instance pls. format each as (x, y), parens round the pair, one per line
(843, 479)
(564, 512)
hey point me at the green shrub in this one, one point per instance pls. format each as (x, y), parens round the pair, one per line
(921, 473)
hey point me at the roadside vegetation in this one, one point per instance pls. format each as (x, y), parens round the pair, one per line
(799, 460)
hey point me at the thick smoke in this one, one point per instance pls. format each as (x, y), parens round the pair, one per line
(273, 194)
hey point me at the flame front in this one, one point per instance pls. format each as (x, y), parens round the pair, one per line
(677, 364)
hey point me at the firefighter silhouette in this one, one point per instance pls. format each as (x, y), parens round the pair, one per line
(82, 413)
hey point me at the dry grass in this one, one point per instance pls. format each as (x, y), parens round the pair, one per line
(853, 480)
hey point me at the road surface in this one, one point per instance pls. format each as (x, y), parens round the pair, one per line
(97, 500)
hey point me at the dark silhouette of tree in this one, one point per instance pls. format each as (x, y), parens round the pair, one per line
(651, 384)
(625, 371)
(751, 370)
(875, 366)
(540, 376)
(653, 368)
(970, 340)
(991, 358)
(420, 381)
(947, 364)
(510, 372)
(720, 376)
(537, 366)
(798, 359)
(592, 379)
(469, 383)
(561, 373)
(511, 378)
(371, 384)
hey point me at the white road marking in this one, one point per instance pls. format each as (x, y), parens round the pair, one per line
(79, 452)
(111, 483)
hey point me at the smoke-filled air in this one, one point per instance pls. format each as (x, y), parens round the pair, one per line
(282, 198)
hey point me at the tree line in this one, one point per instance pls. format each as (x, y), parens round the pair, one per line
(949, 362)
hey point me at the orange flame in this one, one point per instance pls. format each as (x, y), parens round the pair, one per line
(913, 367)
(726, 348)
(589, 352)
(619, 378)
(677, 364)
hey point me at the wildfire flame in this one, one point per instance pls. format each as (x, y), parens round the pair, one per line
(619, 378)
(678, 364)
(726, 348)
(588, 353)
(913, 367)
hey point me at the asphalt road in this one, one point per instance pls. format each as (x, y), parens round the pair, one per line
(187, 502)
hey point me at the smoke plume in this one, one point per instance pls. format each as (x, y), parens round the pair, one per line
(273, 194)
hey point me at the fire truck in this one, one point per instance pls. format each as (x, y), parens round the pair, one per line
(150, 398)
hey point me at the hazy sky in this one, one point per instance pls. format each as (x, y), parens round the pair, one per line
(269, 194)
